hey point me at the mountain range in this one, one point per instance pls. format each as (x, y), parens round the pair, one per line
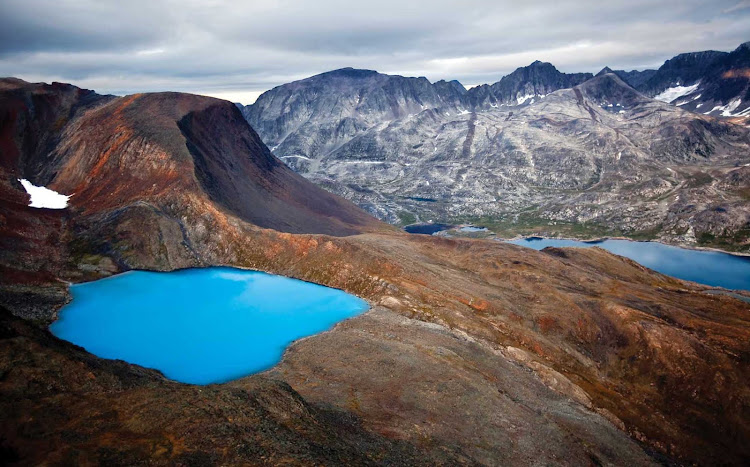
(538, 152)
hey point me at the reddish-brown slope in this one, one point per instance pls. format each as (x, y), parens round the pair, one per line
(160, 148)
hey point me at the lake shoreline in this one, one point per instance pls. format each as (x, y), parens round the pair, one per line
(708, 268)
(273, 310)
(457, 226)
(686, 246)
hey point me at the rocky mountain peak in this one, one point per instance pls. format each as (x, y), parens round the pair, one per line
(349, 72)
(537, 79)
(452, 85)
(611, 89)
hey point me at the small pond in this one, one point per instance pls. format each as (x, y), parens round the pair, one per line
(200, 326)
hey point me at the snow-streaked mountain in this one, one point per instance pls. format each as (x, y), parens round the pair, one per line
(710, 82)
(597, 153)
(524, 85)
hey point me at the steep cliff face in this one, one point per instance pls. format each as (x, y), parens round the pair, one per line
(33, 243)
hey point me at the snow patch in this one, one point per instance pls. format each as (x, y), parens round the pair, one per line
(521, 99)
(670, 94)
(715, 108)
(697, 96)
(42, 197)
(298, 157)
(727, 110)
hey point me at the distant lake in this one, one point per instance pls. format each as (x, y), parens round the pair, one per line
(705, 267)
(427, 229)
(200, 326)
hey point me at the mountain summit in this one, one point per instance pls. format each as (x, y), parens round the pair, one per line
(524, 84)
(538, 141)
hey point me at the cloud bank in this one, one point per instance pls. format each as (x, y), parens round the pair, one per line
(236, 50)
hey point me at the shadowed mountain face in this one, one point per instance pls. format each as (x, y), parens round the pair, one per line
(474, 352)
(532, 151)
(710, 83)
(684, 69)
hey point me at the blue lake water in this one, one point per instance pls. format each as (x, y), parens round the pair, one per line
(200, 326)
(706, 267)
(426, 229)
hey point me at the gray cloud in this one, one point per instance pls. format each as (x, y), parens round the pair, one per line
(238, 49)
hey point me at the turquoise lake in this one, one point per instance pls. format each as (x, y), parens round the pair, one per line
(705, 267)
(200, 326)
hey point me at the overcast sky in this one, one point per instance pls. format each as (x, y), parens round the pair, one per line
(236, 50)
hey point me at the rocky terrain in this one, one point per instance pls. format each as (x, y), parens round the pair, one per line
(538, 152)
(474, 352)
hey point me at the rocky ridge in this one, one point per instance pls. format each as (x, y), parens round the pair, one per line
(596, 159)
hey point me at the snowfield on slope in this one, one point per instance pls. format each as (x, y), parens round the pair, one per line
(670, 94)
(42, 197)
